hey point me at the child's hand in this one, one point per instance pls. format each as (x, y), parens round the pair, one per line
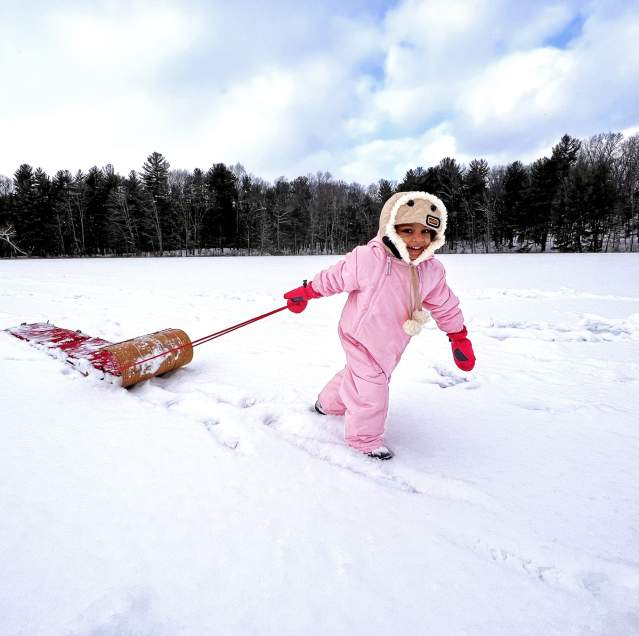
(298, 298)
(462, 350)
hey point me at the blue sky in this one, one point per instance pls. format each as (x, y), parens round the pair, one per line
(361, 89)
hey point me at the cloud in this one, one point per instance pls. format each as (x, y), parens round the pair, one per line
(392, 158)
(201, 83)
(513, 101)
(84, 85)
(107, 42)
(489, 73)
(530, 98)
(363, 90)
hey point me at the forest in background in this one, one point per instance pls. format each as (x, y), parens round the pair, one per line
(583, 198)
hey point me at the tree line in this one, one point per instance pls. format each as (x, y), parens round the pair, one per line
(584, 197)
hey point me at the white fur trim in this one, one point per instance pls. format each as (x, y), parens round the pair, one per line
(396, 238)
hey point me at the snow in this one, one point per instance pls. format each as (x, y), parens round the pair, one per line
(214, 500)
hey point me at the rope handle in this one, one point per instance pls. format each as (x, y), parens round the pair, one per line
(199, 341)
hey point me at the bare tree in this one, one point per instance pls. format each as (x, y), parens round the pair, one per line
(179, 185)
(493, 201)
(121, 222)
(7, 234)
(628, 183)
(281, 209)
(6, 186)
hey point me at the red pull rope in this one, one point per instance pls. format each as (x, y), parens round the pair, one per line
(204, 339)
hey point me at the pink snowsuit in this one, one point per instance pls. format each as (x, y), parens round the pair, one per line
(371, 332)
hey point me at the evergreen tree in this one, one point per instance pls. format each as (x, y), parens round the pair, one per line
(450, 189)
(413, 180)
(538, 201)
(123, 214)
(356, 210)
(513, 214)
(384, 191)
(97, 185)
(48, 244)
(159, 225)
(221, 221)
(577, 238)
(61, 204)
(27, 223)
(564, 156)
(474, 200)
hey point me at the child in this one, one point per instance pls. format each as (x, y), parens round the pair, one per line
(389, 281)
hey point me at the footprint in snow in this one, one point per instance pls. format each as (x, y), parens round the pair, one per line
(545, 573)
(446, 378)
(120, 611)
(213, 427)
(269, 420)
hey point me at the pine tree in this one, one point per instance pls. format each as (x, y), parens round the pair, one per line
(564, 156)
(123, 211)
(24, 206)
(221, 221)
(157, 210)
(474, 200)
(61, 208)
(538, 201)
(97, 185)
(450, 189)
(512, 219)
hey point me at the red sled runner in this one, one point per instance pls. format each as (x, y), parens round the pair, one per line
(124, 363)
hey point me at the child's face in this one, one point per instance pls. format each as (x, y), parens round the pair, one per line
(416, 236)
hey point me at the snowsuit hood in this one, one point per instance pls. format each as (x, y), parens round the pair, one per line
(413, 207)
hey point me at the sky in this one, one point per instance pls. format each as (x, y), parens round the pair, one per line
(363, 90)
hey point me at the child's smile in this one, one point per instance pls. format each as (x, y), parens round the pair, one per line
(416, 237)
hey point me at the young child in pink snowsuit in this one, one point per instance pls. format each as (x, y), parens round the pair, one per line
(391, 281)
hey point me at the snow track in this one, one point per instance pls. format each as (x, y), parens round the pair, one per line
(215, 500)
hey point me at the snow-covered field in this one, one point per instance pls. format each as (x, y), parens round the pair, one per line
(214, 501)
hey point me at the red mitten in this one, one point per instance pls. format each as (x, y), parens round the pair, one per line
(298, 298)
(462, 350)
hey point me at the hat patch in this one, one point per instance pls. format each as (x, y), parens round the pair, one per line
(432, 221)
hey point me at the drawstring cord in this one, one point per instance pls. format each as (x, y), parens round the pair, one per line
(200, 341)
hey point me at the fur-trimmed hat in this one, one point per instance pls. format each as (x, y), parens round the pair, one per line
(414, 207)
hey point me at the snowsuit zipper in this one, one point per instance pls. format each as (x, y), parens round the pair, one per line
(371, 304)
